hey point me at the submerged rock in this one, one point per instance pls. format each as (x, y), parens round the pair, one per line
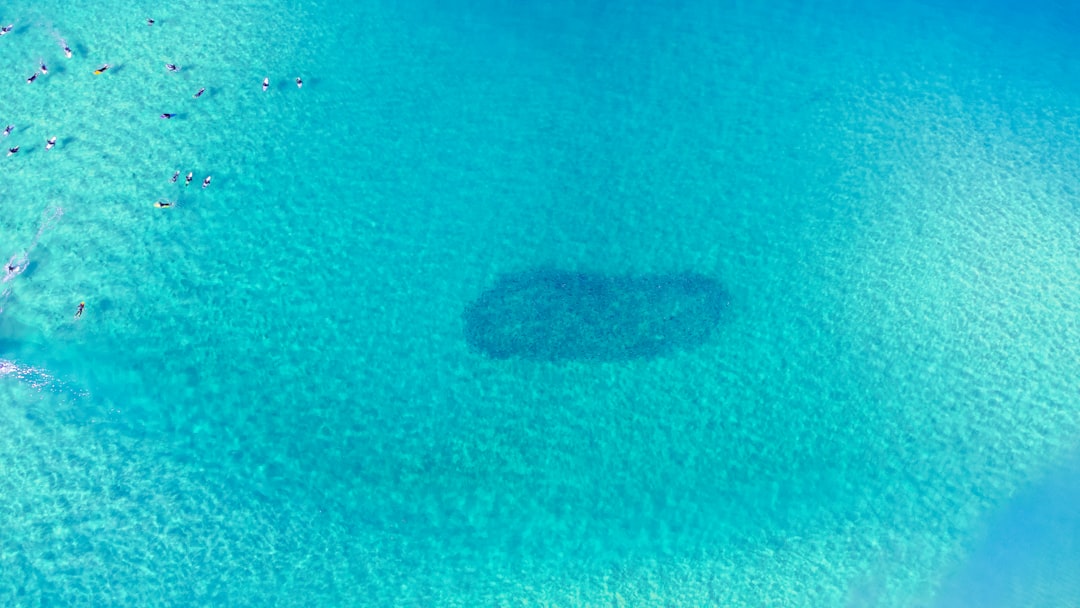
(554, 315)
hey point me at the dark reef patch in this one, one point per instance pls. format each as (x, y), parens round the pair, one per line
(554, 315)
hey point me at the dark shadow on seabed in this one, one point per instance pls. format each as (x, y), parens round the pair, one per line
(556, 315)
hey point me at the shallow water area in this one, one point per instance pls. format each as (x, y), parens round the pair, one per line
(862, 217)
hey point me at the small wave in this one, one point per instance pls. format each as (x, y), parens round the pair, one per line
(38, 378)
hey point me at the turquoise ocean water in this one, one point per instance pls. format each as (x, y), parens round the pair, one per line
(272, 398)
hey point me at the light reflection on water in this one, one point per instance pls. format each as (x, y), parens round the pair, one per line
(39, 379)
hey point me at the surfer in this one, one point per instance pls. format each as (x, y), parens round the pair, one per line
(199, 93)
(187, 180)
(102, 69)
(206, 182)
(7, 28)
(167, 116)
(78, 311)
(299, 82)
(15, 266)
(14, 150)
(32, 78)
(164, 204)
(174, 176)
(172, 67)
(67, 50)
(19, 262)
(44, 68)
(49, 144)
(149, 22)
(7, 131)
(266, 84)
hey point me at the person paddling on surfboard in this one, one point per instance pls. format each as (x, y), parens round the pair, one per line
(49, 144)
(266, 84)
(102, 69)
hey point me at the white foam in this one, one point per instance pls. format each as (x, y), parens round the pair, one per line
(38, 378)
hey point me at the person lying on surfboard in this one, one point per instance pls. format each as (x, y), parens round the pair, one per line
(102, 69)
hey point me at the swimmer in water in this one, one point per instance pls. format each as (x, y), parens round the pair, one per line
(167, 115)
(299, 82)
(7, 131)
(266, 84)
(174, 176)
(187, 180)
(14, 150)
(172, 67)
(49, 144)
(102, 69)
(206, 182)
(32, 78)
(7, 28)
(199, 93)
(78, 311)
